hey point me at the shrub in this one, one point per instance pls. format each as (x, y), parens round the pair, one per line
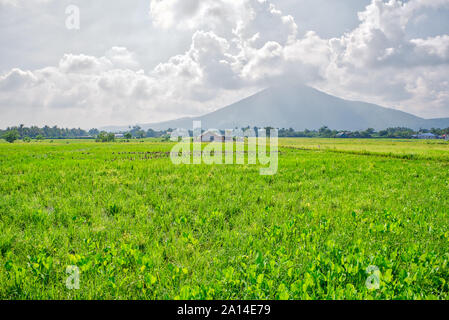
(11, 136)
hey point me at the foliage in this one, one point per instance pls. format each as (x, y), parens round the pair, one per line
(11, 136)
(137, 132)
(325, 132)
(47, 132)
(105, 137)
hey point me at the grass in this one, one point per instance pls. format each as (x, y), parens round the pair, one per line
(406, 149)
(139, 227)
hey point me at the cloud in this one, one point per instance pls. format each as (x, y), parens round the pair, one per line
(17, 79)
(96, 91)
(220, 15)
(71, 63)
(378, 62)
(433, 47)
(238, 47)
(19, 3)
(257, 21)
(121, 57)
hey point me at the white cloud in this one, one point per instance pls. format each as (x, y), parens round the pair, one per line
(94, 91)
(18, 3)
(257, 21)
(377, 61)
(71, 63)
(238, 47)
(17, 79)
(121, 57)
(433, 46)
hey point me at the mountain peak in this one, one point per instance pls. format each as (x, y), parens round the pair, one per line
(301, 107)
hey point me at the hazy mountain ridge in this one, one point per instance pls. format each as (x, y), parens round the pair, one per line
(301, 107)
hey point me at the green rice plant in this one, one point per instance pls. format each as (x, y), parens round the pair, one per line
(345, 219)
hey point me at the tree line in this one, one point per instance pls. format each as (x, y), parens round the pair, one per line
(391, 133)
(34, 132)
(27, 133)
(325, 132)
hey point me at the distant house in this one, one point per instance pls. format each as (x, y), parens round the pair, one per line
(211, 136)
(343, 135)
(446, 137)
(119, 135)
(425, 136)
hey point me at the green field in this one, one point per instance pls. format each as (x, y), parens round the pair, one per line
(139, 227)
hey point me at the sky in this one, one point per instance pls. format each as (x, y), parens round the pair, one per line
(145, 61)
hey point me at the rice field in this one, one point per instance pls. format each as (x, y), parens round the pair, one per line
(342, 219)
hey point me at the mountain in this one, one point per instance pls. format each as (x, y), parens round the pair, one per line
(301, 107)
